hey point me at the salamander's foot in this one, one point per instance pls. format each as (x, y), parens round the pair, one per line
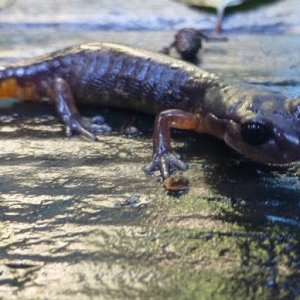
(165, 163)
(61, 94)
(76, 124)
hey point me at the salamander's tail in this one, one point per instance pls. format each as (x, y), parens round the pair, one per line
(11, 87)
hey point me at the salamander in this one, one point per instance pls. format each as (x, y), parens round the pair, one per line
(258, 123)
(188, 41)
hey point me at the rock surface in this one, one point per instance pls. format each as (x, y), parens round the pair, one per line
(80, 220)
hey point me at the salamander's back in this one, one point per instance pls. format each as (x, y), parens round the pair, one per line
(117, 76)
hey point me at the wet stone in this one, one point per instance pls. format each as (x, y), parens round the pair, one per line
(81, 220)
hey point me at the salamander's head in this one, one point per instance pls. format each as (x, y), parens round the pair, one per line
(265, 128)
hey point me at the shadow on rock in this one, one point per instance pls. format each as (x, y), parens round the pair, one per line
(265, 201)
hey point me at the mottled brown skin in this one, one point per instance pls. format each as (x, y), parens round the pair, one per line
(262, 125)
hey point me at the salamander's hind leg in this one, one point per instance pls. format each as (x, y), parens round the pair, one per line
(63, 99)
(162, 158)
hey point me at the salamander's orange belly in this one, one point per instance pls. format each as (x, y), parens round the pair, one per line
(10, 88)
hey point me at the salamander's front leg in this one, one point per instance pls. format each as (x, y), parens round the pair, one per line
(162, 158)
(61, 94)
(167, 50)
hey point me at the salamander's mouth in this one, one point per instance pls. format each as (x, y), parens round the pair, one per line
(286, 165)
(279, 149)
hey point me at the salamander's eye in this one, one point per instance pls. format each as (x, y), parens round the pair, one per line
(255, 133)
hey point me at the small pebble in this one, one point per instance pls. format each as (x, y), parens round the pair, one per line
(131, 130)
(176, 183)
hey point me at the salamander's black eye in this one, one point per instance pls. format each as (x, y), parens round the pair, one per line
(255, 133)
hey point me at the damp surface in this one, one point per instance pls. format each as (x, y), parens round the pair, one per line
(81, 220)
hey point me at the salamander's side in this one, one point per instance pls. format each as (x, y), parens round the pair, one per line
(111, 75)
(118, 76)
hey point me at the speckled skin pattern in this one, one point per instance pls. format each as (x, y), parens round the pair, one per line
(118, 76)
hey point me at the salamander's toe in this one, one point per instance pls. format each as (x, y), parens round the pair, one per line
(76, 125)
(85, 133)
(166, 163)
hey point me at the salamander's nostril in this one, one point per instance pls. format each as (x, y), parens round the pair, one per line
(286, 140)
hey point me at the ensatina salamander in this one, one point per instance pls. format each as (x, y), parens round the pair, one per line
(260, 124)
